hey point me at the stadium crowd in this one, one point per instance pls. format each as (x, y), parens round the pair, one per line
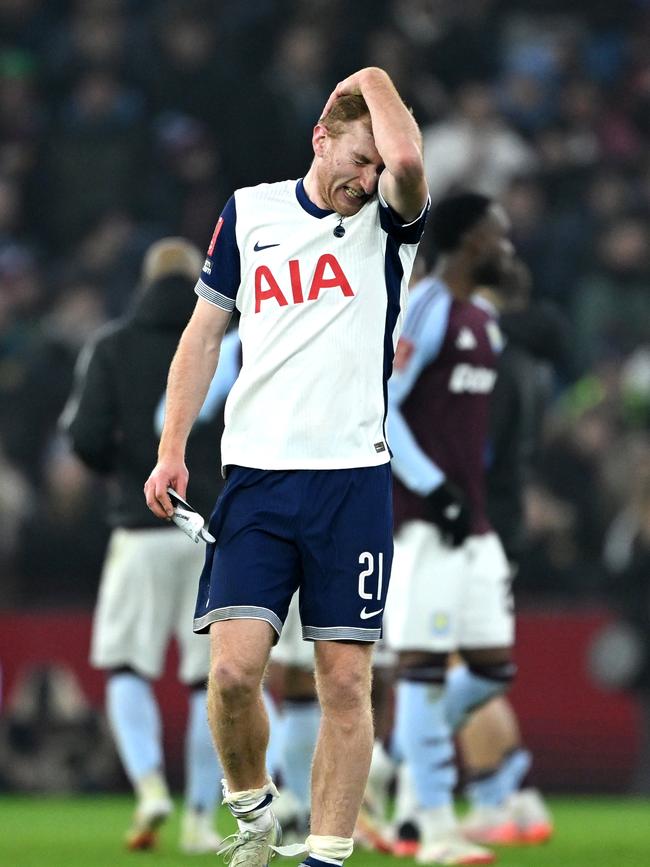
(124, 121)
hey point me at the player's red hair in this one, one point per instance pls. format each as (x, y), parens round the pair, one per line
(345, 110)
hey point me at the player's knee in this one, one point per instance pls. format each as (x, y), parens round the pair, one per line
(345, 691)
(232, 682)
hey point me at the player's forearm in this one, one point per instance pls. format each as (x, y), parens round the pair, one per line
(397, 136)
(189, 378)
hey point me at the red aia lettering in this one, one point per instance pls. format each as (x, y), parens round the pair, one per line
(274, 291)
(336, 277)
(321, 282)
(296, 282)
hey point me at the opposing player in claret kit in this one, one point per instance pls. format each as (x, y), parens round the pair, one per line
(318, 269)
(450, 588)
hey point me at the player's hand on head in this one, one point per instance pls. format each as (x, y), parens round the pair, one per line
(165, 474)
(348, 87)
(448, 510)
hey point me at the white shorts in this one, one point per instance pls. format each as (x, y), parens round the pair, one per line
(291, 648)
(147, 595)
(442, 599)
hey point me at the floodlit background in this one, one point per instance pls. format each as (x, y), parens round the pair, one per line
(125, 120)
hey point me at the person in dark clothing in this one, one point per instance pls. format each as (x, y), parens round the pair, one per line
(148, 585)
(536, 343)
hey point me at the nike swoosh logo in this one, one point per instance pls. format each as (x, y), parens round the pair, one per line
(259, 246)
(366, 615)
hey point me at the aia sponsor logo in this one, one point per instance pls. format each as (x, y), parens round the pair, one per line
(328, 274)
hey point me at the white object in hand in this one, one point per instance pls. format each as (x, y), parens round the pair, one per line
(188, 519)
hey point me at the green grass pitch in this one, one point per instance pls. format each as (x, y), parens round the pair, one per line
(87, 832)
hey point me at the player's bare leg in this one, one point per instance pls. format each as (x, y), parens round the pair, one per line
(240, 727)
(490, 733)
(344, 748)
(238, 720)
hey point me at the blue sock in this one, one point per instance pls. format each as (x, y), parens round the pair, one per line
(427, 743)
(514, 768)
(135, 723)
(297, 743)
(202, 767)
(466, 691)
(492, 789)
(275, 735)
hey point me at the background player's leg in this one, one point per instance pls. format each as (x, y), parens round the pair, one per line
(497, 763)
(291, 670)
(489, 673)
(301, 720)
(202, 779)
(276, 721)
(426, 739)
(135, 723)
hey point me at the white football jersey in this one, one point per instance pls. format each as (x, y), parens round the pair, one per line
(320, 317)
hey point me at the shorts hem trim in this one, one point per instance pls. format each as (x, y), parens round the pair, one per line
(340, 633)
(237, 612)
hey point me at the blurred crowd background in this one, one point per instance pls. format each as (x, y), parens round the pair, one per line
(125, 120)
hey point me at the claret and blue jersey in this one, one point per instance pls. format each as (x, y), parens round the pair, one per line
(445, 370)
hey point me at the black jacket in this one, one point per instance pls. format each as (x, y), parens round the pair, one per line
(535, 344)
(120, 382)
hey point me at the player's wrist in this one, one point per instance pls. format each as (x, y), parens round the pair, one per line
(171, 452)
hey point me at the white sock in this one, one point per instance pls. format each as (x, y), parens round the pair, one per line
(202, 767)
(251, 808)
(135, 723)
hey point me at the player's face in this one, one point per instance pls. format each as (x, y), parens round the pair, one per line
(494, 249)
(347, 168)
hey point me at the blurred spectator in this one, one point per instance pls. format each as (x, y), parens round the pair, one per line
(95, 156)
(187, 189)
(474, 148)
(612, 302)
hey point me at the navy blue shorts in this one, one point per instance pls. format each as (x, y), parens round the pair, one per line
(327, 532)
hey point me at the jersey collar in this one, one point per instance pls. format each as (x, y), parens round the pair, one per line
(307, 204)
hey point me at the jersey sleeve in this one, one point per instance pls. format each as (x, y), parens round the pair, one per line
(221, 274)
(422, 338)
(394, 225)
